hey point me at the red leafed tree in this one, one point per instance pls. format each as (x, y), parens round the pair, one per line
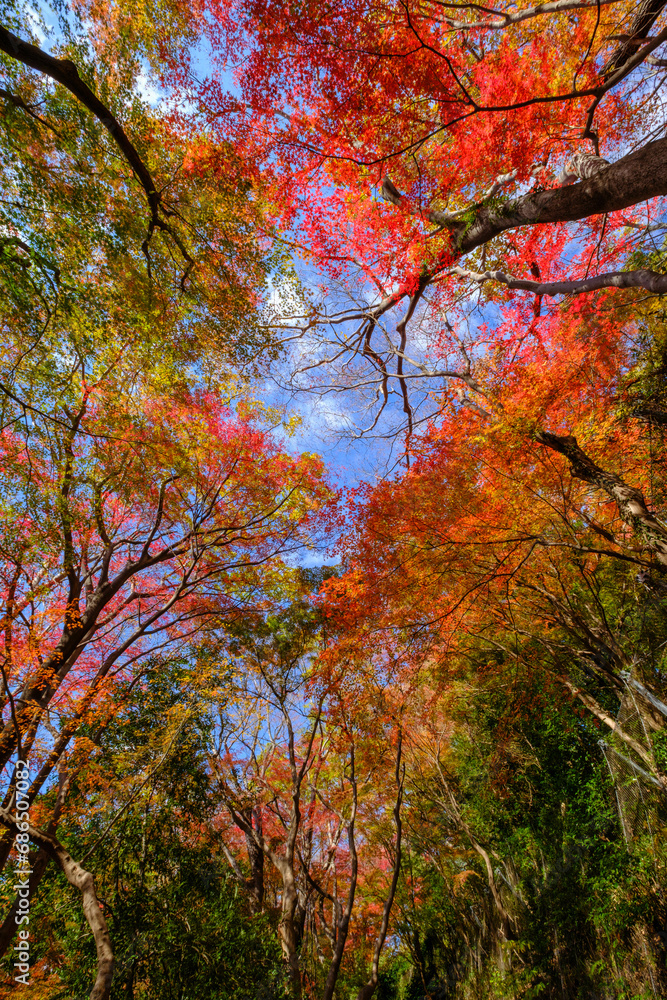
(488, 544)
(437, 163)
(452, 172)
(471, 126)
(140, 527)
(310, 770)
(153, 526)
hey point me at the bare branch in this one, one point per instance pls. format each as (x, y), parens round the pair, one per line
(503, 20)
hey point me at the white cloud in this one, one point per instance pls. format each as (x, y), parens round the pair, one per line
(148, 91)
(38, 24)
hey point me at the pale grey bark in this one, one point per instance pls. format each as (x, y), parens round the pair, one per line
(9, 926)
(583, 166)
(645, 16)
(610, 187)
(635, 178)
(82, 880)
(341, 916)
(285, 863)
(498, 21)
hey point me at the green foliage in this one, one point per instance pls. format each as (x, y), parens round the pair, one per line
(181, 926)
(180, 931)
(86, 287)
(532, 786)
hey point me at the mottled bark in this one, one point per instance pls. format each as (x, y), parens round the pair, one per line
(644, 19)
(256, 862)
(585, 165)
(82, 880)
(630, 181)
(651, 281)
(607, 187)
(9, 926)
(629, 500)
(498, 21)
(287, 931)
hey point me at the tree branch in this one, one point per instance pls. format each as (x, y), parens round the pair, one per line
(644, 20)
(635, 178)
(629, 500)
(651, 281)
(65, 72)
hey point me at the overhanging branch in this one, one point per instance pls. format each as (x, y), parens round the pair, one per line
(65, 72)
(651, 281)
(629, 500)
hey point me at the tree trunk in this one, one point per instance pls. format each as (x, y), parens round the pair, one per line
(288, 936)
(82, 880)
(9, 926)
(629, 501)
(367, 991)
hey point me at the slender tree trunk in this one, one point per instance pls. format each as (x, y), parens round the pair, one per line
(82, 880)
(288, 935)
(256, 881)
(597, 710)
(367, 991)
(59, 747)
(9, 926)
(505, 924)
(341, 920)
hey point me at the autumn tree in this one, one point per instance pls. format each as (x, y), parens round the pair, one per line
(445, 167)
(139, 811)
(514, 842)
(143, 496)
(449, 173)
(311, 775)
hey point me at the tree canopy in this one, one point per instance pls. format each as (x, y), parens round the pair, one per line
(273, 729)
